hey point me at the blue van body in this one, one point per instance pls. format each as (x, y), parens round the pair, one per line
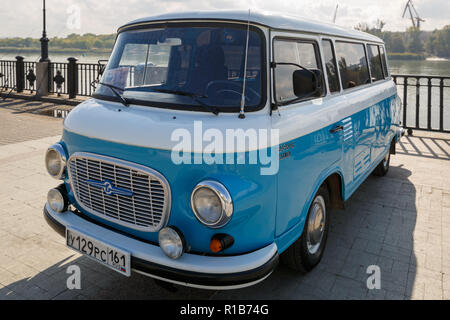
(269, 211)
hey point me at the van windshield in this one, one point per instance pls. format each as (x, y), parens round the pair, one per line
(187, 67)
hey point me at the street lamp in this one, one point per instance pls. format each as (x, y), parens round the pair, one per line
(44, 41)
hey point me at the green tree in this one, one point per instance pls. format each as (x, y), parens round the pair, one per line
(396, 43)
(414, 43)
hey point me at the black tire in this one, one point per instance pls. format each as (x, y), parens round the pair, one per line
(383, 168)
(298, 257)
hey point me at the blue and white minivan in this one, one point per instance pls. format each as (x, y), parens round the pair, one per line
(219, 142)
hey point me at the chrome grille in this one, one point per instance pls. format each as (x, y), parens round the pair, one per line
(146, 210)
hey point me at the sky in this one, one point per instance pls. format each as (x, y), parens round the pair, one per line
(23, 18)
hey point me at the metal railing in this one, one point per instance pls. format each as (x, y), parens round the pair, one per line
(7, 75)
(27, 67)
(78, 79)
(426, 102)
(53, 71)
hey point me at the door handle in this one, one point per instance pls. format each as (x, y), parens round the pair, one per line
(337, 129)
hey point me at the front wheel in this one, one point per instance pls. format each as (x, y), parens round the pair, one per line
(305, 253)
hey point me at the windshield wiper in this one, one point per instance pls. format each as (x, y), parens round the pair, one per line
(114, 89)
(194, 96)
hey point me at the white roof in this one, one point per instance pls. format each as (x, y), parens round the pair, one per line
(273, 20)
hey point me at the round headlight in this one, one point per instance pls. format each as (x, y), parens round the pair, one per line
(171, 242)
(55, 161)
(212, 204)
(57, 199)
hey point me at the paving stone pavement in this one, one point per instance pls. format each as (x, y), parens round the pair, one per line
(400, 223)
(17, 124)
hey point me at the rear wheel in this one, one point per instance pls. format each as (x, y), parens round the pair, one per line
(382, 169)
(305, 253)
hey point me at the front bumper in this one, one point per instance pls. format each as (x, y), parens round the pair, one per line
(207, 272)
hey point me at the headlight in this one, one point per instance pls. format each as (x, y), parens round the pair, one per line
(57, 199)
(55, 161)
(212, 204)
(171, 242)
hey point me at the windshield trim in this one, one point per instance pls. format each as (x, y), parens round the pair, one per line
(193, 107)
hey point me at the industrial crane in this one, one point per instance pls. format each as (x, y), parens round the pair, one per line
(415, 18)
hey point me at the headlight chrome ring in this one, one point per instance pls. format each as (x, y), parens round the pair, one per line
(223, 197)
(55, 161)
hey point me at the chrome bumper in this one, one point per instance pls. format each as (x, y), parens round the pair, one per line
(207, 272)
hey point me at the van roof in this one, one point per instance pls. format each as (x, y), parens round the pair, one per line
(273, 20)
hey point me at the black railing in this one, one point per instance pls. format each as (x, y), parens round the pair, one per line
(7, 75)
(53, 71)
(426, 102)
(79, 79)
(27, 67)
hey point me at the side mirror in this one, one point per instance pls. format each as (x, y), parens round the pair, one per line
(306, 83)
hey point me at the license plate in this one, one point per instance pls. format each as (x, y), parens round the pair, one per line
(110, 256)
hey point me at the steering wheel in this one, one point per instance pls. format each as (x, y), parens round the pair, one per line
(250, 94)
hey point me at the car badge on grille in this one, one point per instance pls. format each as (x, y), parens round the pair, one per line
(109, 189)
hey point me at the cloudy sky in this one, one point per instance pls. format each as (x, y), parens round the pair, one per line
(23, 17)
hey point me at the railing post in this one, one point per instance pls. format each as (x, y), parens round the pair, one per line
(42, 78)
(405, 99)
(441, 105)
(20, 74)
(429, 104)
(417, 102)
(72, 78)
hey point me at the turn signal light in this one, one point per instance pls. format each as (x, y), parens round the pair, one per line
(220, 242)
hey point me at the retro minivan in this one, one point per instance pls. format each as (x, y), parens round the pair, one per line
(217, 143)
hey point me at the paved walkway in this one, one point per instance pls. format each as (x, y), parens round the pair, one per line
(400, 223)
(17, 124)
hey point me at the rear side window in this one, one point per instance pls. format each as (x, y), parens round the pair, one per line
(383, 60)
(376, 67)
(330, 65)
(292, 51)
(352, 64)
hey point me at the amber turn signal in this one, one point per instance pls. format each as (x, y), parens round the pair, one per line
(220, 242)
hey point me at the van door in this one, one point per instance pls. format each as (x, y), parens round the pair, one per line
(307, 145)
(341, 105)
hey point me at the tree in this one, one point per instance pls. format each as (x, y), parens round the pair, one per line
(414, 43)
(396, 43)
(442, 42)
(430, 43)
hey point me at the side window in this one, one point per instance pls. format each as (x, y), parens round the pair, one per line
(375, 62)
(383, 59)
(330, 65)
(292, 51)
(352, 64)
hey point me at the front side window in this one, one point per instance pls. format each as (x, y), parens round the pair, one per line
(295, 52)
(384, 62)
(352, 64)
(330, 65)
(186, 66)
(375, 62)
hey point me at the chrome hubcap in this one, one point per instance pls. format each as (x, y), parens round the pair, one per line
(316, 225)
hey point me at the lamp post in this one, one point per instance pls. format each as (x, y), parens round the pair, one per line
(44, 40)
